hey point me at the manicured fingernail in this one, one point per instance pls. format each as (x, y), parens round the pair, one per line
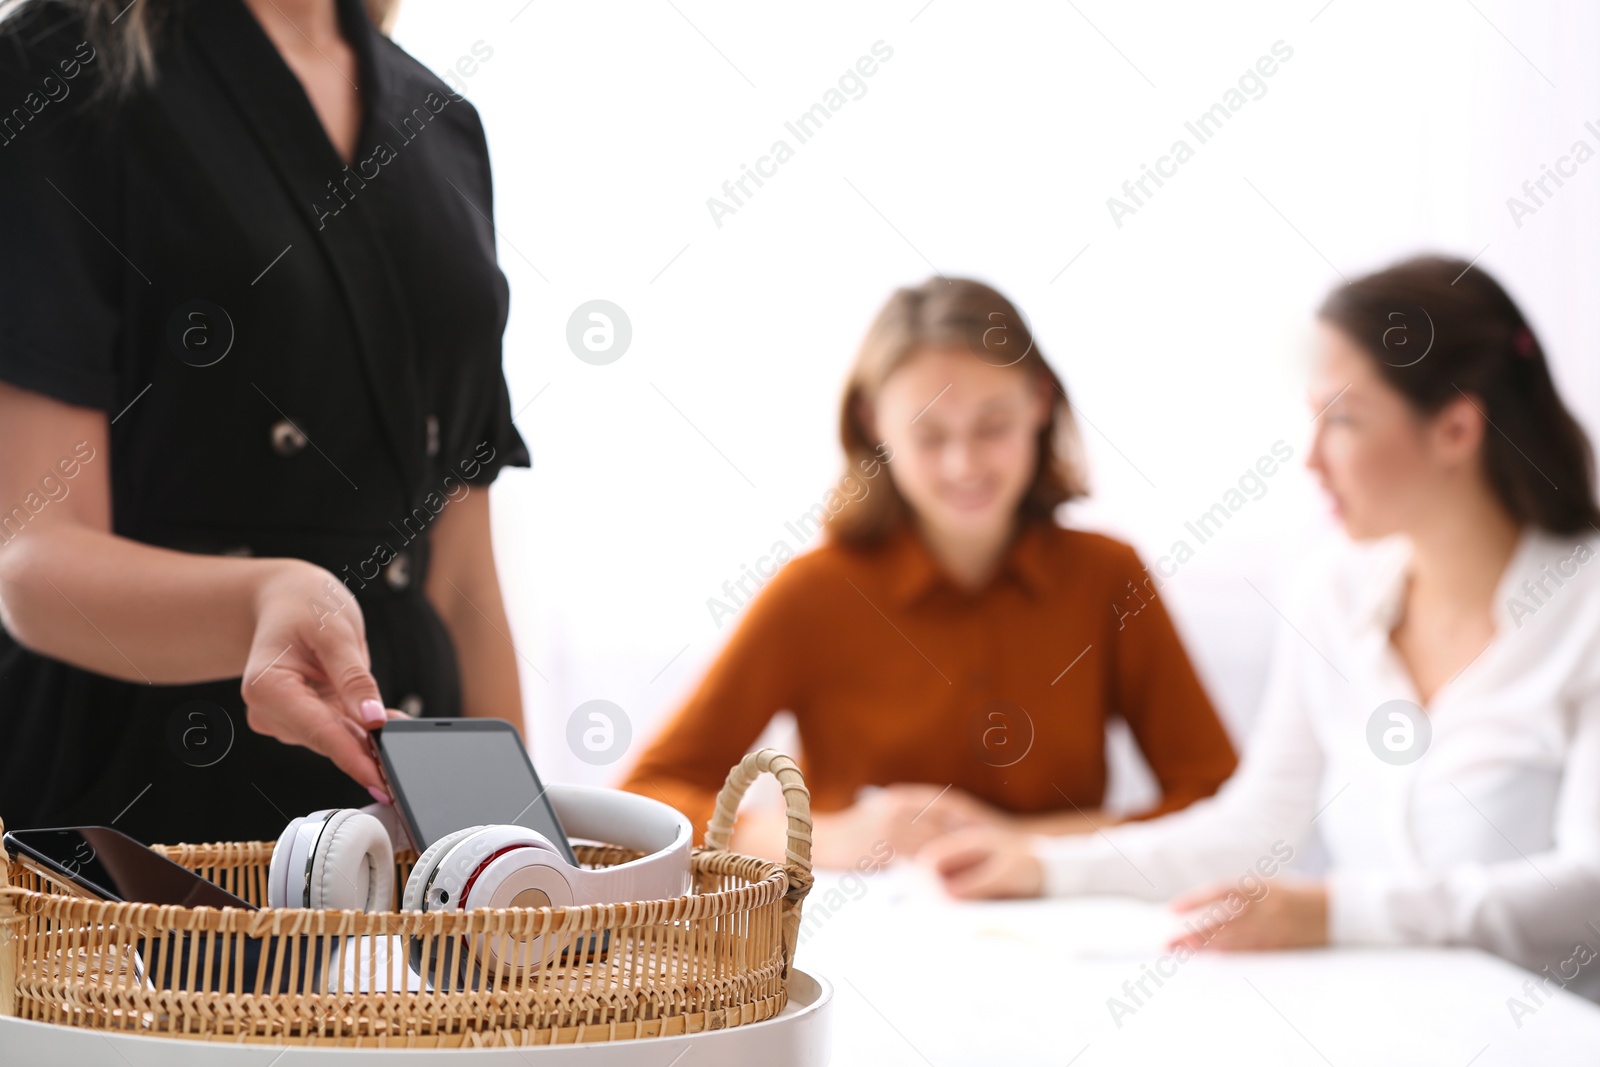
(372, 711)
(377, 794)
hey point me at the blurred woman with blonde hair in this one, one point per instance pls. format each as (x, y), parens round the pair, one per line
(951, 655)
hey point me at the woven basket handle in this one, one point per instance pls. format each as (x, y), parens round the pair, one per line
(797, 849)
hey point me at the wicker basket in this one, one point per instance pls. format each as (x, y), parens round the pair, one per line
(716, 958)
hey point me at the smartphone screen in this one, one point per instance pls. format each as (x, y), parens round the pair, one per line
(114, 866)
(448, 774)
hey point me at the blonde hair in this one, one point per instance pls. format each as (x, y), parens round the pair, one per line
(951, 313)
(123, 36)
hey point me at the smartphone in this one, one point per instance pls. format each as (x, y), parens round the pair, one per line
(448, 774)
(108, 864)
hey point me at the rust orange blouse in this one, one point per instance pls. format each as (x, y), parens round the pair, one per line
(894, 674)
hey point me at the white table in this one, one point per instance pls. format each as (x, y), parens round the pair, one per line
(924, 981)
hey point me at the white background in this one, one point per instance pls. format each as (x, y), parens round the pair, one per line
(987, 146)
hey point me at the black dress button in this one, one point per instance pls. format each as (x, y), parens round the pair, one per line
(398, 572)
(411, 704)
(433, 435)
(287, 440)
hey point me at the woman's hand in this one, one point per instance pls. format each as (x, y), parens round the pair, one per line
(985, 861)
(903, 817)
(1284, 914)
(308, 678)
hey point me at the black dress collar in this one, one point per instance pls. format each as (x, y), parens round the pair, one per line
(269, 98)
(236, 48)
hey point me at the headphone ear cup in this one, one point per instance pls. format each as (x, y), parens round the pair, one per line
(412, 899)
(498, 866)
(526, 877)
(538, 840)
(353, 866)
(278, 869)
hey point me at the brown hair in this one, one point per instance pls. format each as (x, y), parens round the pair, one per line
(124, 35)
(950, 313)
(1439, 329)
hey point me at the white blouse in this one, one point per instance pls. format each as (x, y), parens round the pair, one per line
(1489, 838)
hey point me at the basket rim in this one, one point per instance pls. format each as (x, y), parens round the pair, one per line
(764, 882)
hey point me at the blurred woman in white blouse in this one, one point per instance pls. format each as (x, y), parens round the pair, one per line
(1433, 710)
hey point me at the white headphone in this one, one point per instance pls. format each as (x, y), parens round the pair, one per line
(505, 866)
(336, 858)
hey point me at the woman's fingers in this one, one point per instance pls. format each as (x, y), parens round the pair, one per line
(282, 704)
(1197, 898)
(1192, 942)
(952, 854)
(342, 741)
(344, 663)
(1231, 935)
(950, 859)
(945, 805)
(308, 681)
(920, 813)
(958, 810)
(1209, 921)
(982, 863)
(1206, 933)
(983, 880)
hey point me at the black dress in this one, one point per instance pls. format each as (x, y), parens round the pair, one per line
(299, 358)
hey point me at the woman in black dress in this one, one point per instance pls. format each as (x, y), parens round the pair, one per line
(250, 403)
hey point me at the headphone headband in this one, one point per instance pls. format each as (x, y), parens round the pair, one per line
(630, 821)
